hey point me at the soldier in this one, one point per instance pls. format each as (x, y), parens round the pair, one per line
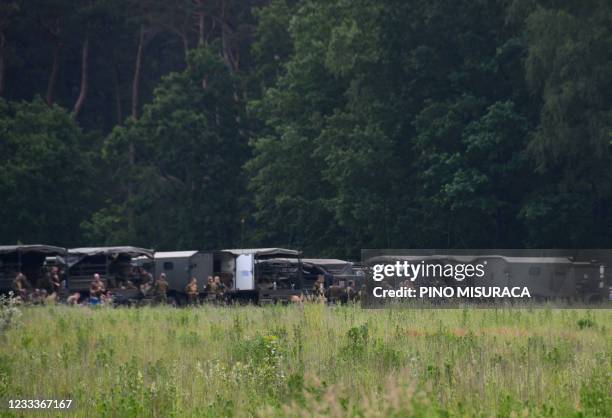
(51, 299)
(21, 286)
(74, 299)
(96, 289)
(334, 293)
(350, 291)
(361, 293)
(38, 296)
(146, 283)
(210, 289)
(192, 292)
(107, 298)
(145, 276)
(318, 289)
(219, 289)
(46, 282)
(161, 289)
(55, 282)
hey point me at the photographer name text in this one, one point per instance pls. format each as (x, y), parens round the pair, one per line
(410, 272)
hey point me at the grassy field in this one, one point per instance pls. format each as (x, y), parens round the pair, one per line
(311, 360)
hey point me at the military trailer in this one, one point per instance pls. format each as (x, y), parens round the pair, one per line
(547, 278)
(180, 267)
(113, 264)
(27, 259)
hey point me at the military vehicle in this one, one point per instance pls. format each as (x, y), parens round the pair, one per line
(113, 264)
(546, 277)
(28, 259)
(260, 275)
(180, 267)
(342, 271)
(249, 275)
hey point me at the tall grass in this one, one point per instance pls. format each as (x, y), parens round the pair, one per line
(311, 361)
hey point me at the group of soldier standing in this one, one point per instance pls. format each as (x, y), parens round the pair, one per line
(335, 293)
(214, 290)
(47, 288)
(51, 288)
(157, 290)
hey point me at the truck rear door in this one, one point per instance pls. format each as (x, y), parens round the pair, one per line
(245, 277)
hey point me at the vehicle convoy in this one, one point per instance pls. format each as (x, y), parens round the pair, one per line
(547, 278)
(260, 275)
(269, 275)
(27, 259)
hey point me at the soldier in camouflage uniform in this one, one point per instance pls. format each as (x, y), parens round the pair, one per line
(318, 290)
(210, 289)
(21, 286)
(334, 293)
(350, 292)
(96, 289)
(192, 292)
(161, 289)
(219, 289)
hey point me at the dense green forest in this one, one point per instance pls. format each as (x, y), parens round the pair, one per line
(324, 125)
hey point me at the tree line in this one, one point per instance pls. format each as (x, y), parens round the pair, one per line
(324, 125)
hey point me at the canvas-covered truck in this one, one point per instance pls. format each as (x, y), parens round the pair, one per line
(27, 259)
(113, 264)
(340, 272)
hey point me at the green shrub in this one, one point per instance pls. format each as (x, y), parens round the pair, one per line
(596, 394)
(585, 323)
(357, 340)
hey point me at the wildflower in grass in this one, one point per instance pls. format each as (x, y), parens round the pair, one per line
(9, 312)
